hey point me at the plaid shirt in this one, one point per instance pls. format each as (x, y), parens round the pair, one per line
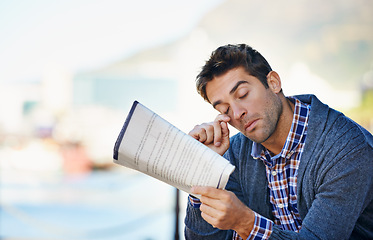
(282, 171)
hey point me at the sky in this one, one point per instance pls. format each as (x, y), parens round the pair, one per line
(80, 35)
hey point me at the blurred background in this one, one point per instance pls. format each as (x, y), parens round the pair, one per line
(70, 70)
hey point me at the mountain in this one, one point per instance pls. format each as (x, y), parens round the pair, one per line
(333, 39)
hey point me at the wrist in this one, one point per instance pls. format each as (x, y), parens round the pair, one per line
(246, 224)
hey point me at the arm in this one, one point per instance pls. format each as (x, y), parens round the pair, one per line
(343, 191)
(215, 135)
(342, 195)
(198, 228)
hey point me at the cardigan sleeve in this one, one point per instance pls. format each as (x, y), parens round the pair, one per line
(343, 191)
(195, 226)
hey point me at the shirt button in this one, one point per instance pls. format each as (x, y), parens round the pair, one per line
(274, 173)
(281, 205)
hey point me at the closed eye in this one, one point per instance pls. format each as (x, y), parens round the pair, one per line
(227, 111)
(243, 96)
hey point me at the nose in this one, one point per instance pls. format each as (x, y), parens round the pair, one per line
(238, 111)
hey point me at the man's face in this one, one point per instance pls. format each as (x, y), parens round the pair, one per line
(253, 109)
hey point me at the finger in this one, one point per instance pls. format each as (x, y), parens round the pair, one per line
(224, 130)
(222, 118)
(210, 214)
(217, 134)
(209, 128)
(202, 135)
(221, 131)
(209, 210)
(194, 133)
(211, 206)
(209, 192)
(198, 133)
(209, 219)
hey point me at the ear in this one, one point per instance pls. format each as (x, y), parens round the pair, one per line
(274, 82)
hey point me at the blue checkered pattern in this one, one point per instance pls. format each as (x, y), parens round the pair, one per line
(282, 172)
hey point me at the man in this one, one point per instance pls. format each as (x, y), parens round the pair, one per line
(303, 170)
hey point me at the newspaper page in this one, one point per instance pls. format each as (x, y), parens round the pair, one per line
(151, 145)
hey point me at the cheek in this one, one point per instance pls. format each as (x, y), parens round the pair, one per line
(238, 125)
(233, 122)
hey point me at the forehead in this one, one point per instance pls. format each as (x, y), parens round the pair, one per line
(222, 85)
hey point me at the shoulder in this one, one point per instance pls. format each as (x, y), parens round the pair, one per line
(329, 125)
(343, 133)
(334, 140)
(343, 129)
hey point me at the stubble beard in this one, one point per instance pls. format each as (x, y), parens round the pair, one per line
(268, 123)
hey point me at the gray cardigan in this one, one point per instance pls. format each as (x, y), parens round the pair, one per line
(334, 186)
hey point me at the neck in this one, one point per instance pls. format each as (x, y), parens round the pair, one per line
(277, 140)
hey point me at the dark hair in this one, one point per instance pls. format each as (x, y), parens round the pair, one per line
(228, 57)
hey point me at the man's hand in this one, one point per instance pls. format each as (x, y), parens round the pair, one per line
(223, 210)
(214, 135)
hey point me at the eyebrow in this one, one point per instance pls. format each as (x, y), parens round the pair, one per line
(236, 86)
(231, 91)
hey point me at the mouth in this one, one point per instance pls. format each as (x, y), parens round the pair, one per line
(249, 126)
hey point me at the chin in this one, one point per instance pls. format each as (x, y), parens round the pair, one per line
(256, 138)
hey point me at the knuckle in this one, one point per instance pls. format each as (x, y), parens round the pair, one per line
(209, 127)
(227, 198)
(224, 210)
(219, 117)
(197, 127)
(220, 218)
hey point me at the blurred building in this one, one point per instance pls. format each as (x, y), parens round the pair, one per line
(90, 107)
